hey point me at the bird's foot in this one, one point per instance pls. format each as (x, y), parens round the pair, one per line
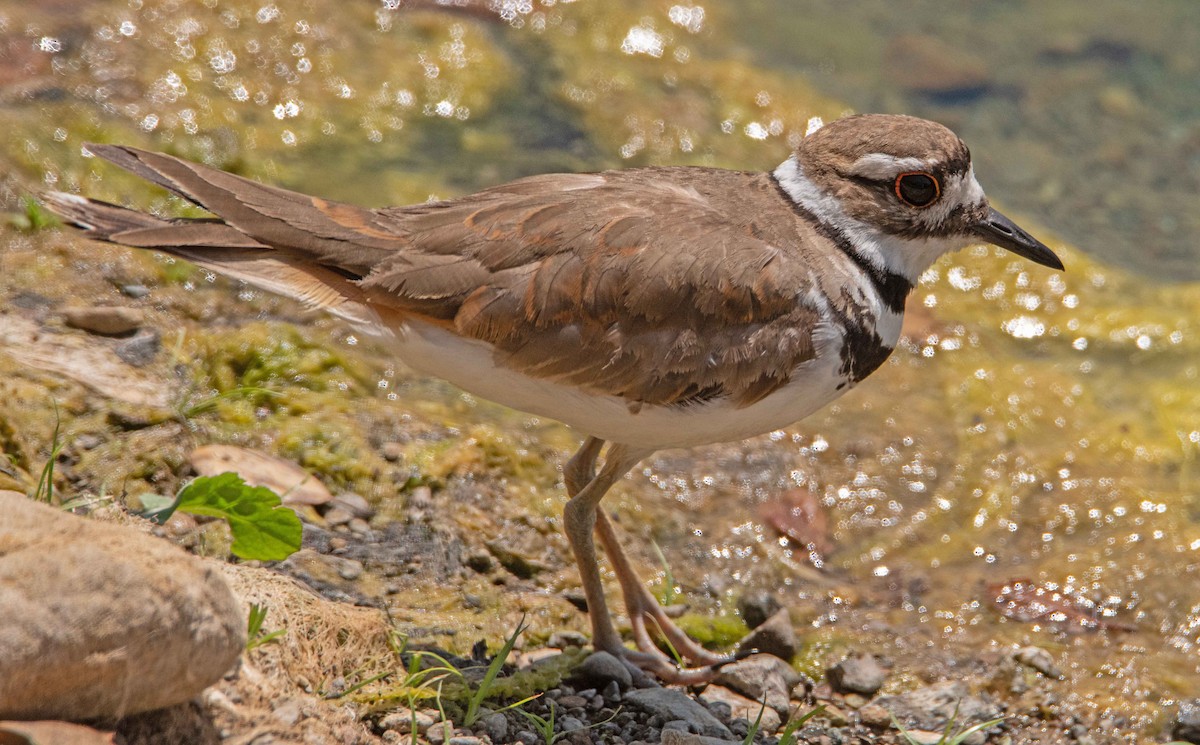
(647, 617)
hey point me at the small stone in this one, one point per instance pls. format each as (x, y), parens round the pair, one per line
(567, 639)
(601, 668)
(480, 562)
(106, 320)
(739, 707)
(87, 442)
(675, 737)
(402, 721)
(759, 677)
(359, 526)
(337, 516)
(392, 452)
(349, 569)
(1186, 724)
(496, 727)
(671, 704)
(858, 673)
(572, 702)
(356, 504)
(774, 636)
(931, 708)
(611, 692)
(288, 712)
(756, 607)
(570, 724)
(1039, 659)
(141, 349)
(135, 291)
(520, 566)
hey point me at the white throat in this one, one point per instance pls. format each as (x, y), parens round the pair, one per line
(908, 257)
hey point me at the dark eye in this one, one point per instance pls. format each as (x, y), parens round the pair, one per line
(917, 189)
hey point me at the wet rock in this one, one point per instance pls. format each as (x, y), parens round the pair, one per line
(106, 320)
(759, 677)
(756, 607)
(141, 349)
(858, 673)
(1040, 660)
(1186, 724)
(671, 704)
(601, 668)
(775, 636)
(931, 708)
(101, 621)
(726, 704)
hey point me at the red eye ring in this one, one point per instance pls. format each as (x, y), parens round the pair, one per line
(917, 189)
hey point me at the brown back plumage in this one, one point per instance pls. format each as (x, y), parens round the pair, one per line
(658, 285)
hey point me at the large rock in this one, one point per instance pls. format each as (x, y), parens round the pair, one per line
(761, 677)
(673, 704)
(100, 621)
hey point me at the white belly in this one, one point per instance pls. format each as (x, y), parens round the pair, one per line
(469, 365)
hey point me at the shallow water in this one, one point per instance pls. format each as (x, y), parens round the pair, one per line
(1034, 425)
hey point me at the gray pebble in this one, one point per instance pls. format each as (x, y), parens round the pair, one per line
(1040, 660)
(858, 673)
(496, 727)
(756, 607)
(141, 349)
(600, 668)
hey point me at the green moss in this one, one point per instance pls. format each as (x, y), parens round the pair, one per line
(275, 356)
(713, 632)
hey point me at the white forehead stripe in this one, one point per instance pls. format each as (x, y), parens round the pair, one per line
(881, 166)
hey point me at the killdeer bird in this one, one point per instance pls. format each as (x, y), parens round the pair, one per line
(647, 308)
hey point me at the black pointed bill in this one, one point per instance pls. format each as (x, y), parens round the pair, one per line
(1000, 231)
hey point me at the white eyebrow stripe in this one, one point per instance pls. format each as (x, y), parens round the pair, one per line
(882, 166)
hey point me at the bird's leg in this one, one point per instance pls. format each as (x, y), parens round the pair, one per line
(581, 517)
(643, 606)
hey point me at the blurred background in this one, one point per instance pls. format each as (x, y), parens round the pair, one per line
(1033, 426)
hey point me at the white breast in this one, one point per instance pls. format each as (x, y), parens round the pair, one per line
(469, 365)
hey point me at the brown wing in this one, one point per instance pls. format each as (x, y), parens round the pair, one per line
(629, 283)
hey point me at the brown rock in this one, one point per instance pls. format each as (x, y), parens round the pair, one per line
(717, 697)
(291, 482)
(112, 320)
(101, 621)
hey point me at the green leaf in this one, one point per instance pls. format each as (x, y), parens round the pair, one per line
(262, 527)
(157, 508)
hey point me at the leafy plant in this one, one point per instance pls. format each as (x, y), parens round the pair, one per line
(669, 594)
(787, 736)
(255, 636)
(753, 731)
(205, 405)
(948, 736)
(545, 725)
(489, 677)
(262, 527)
(45, 487)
